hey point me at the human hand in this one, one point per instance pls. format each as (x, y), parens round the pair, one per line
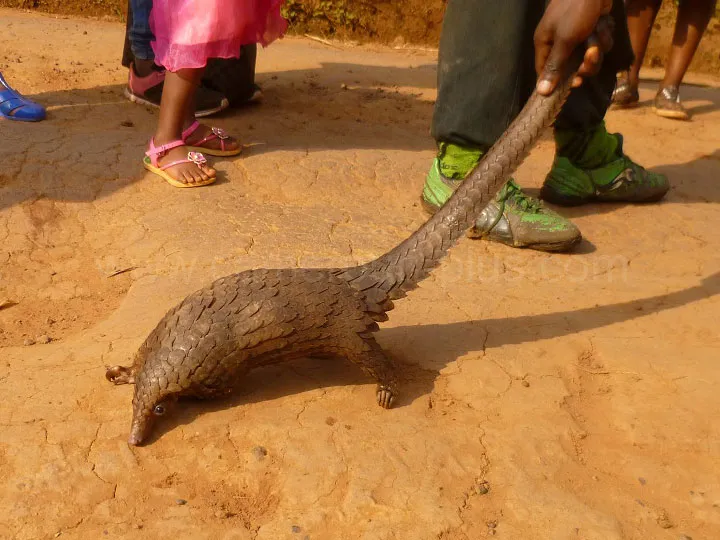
(565, 25)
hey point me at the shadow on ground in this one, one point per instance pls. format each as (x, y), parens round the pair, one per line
(93, 140)
(338, 106)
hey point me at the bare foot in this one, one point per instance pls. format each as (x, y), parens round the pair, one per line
(188, 173)
(215, 143)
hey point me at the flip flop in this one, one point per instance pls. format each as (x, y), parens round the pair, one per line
(14, 106)
(151, 163)
(217, 133)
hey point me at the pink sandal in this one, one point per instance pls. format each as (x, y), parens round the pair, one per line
(217, 133)
(154, 152)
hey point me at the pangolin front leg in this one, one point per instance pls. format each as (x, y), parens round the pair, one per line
(121, 374)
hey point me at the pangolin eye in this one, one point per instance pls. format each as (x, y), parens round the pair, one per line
(159, 410)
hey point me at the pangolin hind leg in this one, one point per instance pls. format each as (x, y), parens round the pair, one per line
(372, 360)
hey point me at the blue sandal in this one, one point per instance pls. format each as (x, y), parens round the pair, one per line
(13, 106)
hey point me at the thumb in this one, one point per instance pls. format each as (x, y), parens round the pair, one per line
(554, 66)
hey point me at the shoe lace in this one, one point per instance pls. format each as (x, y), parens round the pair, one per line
(512, 194)
(671, 93)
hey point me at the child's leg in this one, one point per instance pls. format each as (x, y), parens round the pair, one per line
(640, 17)
(692, 20)
(202, 137)
(176, 113)
(204, 134)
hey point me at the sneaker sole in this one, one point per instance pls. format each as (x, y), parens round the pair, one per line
(562, 200)
(428, 207)
(569, 201)
(674, 115)
(224, 104)
(631, 105)
(554, 247)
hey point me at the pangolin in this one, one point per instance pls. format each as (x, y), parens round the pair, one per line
(203, 346)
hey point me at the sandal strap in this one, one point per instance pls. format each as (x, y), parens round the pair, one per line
(154, 152)
(3, 82)
(193, 157)
(11, 103)
(9, 97)
(190, 130)
(15, 106)
(217, 133)
(210, 138)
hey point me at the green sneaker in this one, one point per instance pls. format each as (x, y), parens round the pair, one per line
(618, 180)
(513, 218)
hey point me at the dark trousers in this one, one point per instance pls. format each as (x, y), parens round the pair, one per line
(486, 71)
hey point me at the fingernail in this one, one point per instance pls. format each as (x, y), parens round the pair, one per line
(544, 87)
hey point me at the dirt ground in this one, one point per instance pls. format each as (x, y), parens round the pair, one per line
(544, 396)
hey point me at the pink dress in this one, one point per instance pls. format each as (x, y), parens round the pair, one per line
(189, 32)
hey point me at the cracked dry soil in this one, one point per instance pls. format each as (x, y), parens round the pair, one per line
(544, 396)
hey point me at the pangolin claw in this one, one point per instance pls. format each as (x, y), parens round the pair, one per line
(385, 397)
(120, 375)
